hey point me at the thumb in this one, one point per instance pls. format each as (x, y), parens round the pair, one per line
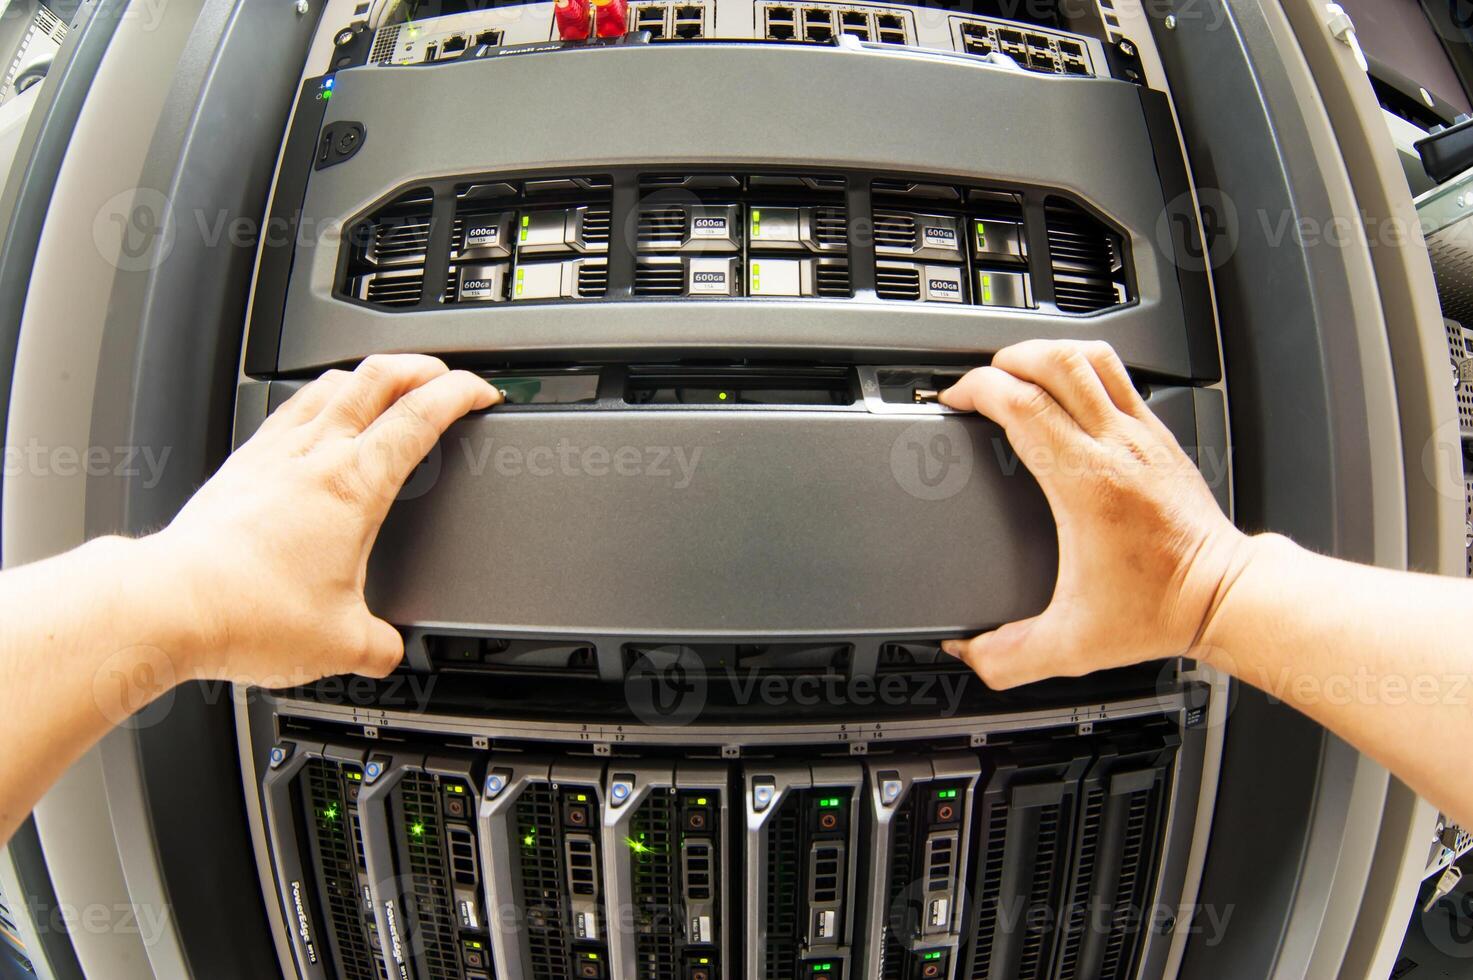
(1013, 654)
(383, 648)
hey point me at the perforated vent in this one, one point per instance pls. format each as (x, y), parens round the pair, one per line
(656, 901)
(384, 43)
(989, 896)
(428, 868)
(1077, 910)
(337, 852)
(1460, 350)
(902, 856)
(1086, 260)
(542, 876)
(1047, 866)
(781, 915)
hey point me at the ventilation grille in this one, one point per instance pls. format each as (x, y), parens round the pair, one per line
(989, 896)
(783, 878)
(337, 854)
(898, 282)
(1086, 260)
(386, 264)
(656, 902)
(428, 867)
(1460, 349)
(384, 43)
(1468, 494)
(542, 878)
(1038, 921)
(895, 230)
(660, 225)
(902, 856)
(659, 279)
(1077, 914)
(831, 228)
(593, 279)
(832, 279)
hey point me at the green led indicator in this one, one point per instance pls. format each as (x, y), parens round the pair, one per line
(526, 222)
(986, 289)
(529, 839)
(326, 94)
(756, 277)
(981, 236)
(637, 846)
(417, 830)
(331, 813)
(821, 967)
(356, 776)
(581, 797)
(520, 273)
(829, 802)
(721, 396)
(701, 800)
(946, 794)
(590, 956)
(932, 956)
(756, 224)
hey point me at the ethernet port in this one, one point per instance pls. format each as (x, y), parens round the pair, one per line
(488, 37)
(1041, 61)
(453, 46)
(688, 30)
(1076, 66)
(1071, 49)
(780, 24)
(818, 25)
(889, 22)
(688, 12)
(892, 37)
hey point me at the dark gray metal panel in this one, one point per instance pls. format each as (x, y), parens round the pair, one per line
(327, 332)
(796, 107)
(721, 523)
(1302, 459)
(166, 379)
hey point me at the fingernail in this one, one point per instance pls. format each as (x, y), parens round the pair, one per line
(953, 647)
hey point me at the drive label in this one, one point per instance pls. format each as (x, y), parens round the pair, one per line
(940, 238)
(709, 227)
(482, 235)
(948, 286)
(708, 282)
(477, 287)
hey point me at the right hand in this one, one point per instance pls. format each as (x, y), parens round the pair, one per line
(1145, 553)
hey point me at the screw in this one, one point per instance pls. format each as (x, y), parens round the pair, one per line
(1171, 22)
(1127, 48)
(303, 6)
(348, 141)
(344, 36)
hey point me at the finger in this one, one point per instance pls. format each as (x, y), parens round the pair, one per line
(1061, 369)
(1013, 654)
(382, 650)
(401, 437)
(1115, 378)
(1031, 418)
(305, 404)
(377, 383)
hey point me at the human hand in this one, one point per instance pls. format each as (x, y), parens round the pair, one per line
(270, 556)
(1145, 554)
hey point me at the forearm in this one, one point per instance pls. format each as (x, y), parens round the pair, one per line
(1381, 658)
(89, 639)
